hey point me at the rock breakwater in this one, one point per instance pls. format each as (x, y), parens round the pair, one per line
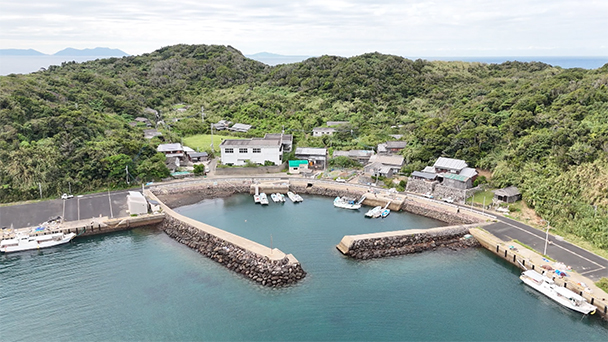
(261, 269)
(381, 245)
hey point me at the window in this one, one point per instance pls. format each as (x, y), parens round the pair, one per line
(229, 150)
(257, 150)
(242, 150)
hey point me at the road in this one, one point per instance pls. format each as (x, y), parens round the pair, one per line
(584, 262)
(113, 204)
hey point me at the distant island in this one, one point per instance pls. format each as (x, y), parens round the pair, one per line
(98, 52)
(275, 59)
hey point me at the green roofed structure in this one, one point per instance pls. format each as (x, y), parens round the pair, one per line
(297, 166)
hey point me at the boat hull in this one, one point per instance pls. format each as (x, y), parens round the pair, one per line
(36, 242)
(560, 296)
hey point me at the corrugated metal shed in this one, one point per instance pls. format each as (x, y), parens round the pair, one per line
(311, 151)
(459, 178)
(169, 147)
(508, 191)
(468, 172)
(297, 163)
(424, 175)
(450, 164)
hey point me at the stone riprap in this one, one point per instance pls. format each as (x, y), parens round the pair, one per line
(379, 245)
(267, 272)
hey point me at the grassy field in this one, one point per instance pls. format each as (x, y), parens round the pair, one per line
(202, 142)
(479, 197)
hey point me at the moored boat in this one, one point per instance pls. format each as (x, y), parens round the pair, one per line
(274, 198)
(256, 199)
(24, 242)
(295, 198)
(385, 212)
(374, 212)
(281, 197)
(347, 203)
(559, 294)
(263, 199)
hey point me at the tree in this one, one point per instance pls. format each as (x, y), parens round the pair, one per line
(199, 169)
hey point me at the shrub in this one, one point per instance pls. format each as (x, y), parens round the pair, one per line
(199, 169)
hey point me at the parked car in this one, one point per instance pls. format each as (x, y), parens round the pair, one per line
(448, 200)
(66, 196)
(340, 180)
(428, 195)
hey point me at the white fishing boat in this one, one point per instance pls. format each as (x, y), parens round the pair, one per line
(263, 199)
(348, 203)
(385, 211)
(295, 198)
(24, 242)
(559, 294)
(281, 197)
(274, 198)
(374, 212)
(256, 198)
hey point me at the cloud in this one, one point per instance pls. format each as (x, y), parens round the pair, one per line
(343, 27)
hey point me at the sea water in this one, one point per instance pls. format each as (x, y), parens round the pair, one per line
(142, 285)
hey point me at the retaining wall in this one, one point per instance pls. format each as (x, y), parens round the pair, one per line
(249, 171)
(442, 214)
(379, 245)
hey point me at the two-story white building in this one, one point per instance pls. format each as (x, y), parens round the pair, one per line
(238, 151)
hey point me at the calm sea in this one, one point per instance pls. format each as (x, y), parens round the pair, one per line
(28, 64)
(142, 285)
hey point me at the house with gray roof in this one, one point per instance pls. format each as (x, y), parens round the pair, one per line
(239, 127)
(317, 157)
(151, 133)
(336, 123)
(286, 140)
(384, 165)
(171, 150)
(509, 194)
(361, 156)
(321, 131)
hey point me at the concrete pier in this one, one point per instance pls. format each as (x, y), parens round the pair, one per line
(525, 258)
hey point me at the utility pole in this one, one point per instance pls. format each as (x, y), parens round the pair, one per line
(40, 188)
(127, 169)
(202, 114)
(212, 149)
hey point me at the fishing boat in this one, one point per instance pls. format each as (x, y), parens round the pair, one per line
(348, 203)
(274, 198)
(263, 199)
(24, 242)
(559, 294)
(281, 197)
(256, 198)
(295, 198)
(374, 212)
(385, 211)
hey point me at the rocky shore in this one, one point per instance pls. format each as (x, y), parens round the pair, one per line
(266, 272)
(455, 238)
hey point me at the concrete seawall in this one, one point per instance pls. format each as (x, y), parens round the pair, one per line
(385, 244)
(524, 258)
(268, 267)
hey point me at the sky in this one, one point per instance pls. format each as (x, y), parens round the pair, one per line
(410, 28)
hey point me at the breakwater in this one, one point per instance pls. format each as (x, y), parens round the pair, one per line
(385, 244)
(266, 266)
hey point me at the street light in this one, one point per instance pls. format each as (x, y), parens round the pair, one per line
(546, 238)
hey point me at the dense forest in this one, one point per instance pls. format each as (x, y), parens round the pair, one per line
(539, 127)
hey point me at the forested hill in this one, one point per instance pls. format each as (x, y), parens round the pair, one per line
(541, 128)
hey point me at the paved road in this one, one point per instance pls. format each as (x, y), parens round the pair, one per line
(585, 263)
(82, 207)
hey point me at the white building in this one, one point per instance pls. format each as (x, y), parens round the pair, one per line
(238, 151)
(137, 203)
(321, 131)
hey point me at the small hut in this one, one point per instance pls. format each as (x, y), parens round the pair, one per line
(509, 194)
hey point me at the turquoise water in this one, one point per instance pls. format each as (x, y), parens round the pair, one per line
(142, 285)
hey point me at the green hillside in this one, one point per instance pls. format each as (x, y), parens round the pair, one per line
(541, 128)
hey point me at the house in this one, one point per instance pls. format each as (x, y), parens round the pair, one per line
(361, 156)
(143, 120)
(171, 150)
(428, 176)
(197, 157)
(239, 127)
(221, 125)
(151, 133)
(286, 140)
(384, 165)
(449, 165)
(317, 157)
(321, 131)
(238, 151)
(395, 146)
(509, 194)
(336, 123)
(298, 166)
